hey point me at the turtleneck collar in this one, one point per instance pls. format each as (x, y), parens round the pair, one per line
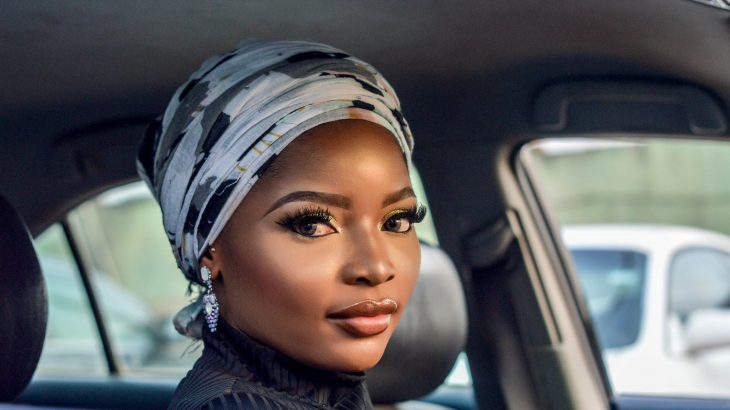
(258, 363)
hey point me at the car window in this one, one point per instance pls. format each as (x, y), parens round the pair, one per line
(646, 224)
(72, 341)
(699, 278)
(136, 281)
(613, 282)
(121, 240)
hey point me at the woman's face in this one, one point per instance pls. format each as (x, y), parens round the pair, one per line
(321, 257)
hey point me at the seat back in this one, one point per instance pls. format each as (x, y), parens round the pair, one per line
(429, 337)
(23, 304)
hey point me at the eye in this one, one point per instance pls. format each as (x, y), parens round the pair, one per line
(313, 229)
(402, 220)
(397, 223)
(308, 222)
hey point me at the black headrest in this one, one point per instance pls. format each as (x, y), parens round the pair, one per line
(429, 337)
(23, 304)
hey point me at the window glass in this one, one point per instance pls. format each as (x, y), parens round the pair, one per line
(699, 279)
(135, 279)
(460, 374)
(613, 282)
(646, 222)
(72, 342)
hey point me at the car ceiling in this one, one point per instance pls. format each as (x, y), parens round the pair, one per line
(81, 79)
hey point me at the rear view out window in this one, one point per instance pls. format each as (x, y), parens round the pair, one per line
(613, 281)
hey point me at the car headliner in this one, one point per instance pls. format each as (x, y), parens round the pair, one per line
(81, 79)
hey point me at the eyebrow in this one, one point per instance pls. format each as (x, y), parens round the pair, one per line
(399, 195)
(338, 201)
(335, 200)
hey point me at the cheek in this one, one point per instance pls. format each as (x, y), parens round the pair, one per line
(280, 274)
(406, 259)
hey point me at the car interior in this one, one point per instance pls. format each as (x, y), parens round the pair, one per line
(478, 80)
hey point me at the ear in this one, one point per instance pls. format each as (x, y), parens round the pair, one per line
(212, 259)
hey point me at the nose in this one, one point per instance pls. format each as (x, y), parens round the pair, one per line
(369, 263)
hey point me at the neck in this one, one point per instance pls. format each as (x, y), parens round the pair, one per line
(275, 370)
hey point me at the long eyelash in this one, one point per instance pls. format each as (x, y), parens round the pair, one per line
(414, 214)
(305, 215)
(421, 212)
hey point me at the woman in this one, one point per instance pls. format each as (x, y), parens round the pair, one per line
(281, 169)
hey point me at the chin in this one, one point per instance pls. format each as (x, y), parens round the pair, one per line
(359, 365)
(358, 358)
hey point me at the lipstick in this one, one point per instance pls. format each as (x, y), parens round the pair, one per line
(366, 318)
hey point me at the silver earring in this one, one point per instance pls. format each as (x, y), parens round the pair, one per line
(210, 303)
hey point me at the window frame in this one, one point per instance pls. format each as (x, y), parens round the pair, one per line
(82, 267)
(575, 348)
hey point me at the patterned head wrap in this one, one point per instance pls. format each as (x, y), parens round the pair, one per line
(235, 115)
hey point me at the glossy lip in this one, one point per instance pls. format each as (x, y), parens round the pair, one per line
(366, 318)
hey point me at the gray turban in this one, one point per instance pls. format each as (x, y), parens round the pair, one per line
(235, 115)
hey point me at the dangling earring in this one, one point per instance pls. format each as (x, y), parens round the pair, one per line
(210, 303)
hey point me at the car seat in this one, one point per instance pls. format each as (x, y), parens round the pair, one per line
(23, 305)
(429, 337)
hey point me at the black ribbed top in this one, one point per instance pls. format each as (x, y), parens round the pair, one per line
(236, 372)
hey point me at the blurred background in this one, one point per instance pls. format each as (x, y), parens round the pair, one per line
(646, 224)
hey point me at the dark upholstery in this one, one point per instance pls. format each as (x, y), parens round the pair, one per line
(23, 304)
(429, 337)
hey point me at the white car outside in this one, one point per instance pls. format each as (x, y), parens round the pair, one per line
(659, 297)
